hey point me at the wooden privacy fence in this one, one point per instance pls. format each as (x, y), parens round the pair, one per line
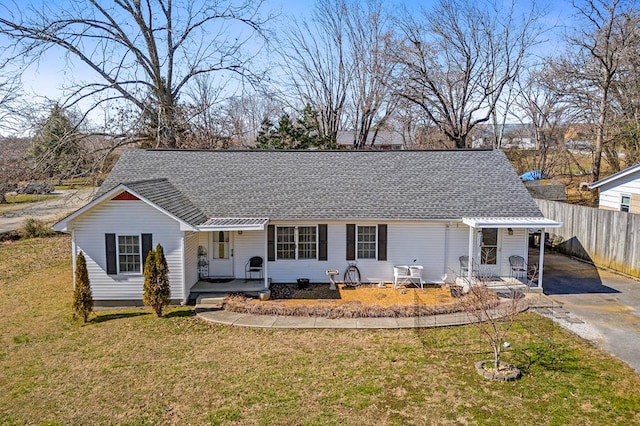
(609, 239)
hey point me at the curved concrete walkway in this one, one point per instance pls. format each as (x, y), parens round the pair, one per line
(220, 316)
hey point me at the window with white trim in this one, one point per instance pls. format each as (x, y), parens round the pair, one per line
(296, 242)
(625, 203)
(366, 242)
(129, 254)
(286, 242)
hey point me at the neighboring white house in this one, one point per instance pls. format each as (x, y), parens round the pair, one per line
(620, 191)
(303, 213)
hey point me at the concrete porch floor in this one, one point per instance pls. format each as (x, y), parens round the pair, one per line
(504, 284)
(235, 285)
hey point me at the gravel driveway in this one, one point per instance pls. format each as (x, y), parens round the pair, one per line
(67, 201)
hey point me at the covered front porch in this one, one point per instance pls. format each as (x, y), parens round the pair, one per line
(218, 288)
(231, 256)
(521, 270)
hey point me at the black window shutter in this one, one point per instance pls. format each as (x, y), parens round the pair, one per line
(322, 242)
(147, 246)
(351, 242)
(382, 242)
(110, 249)
(271, 243)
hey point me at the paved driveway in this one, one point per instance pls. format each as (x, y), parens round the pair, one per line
(608, 303)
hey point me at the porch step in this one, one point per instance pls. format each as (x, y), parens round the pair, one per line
(507, 288)
(211, 299)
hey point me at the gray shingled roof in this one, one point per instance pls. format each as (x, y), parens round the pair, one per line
(287, 185)
(163, 194)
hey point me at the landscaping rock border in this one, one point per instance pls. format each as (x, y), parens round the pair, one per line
(509, 373)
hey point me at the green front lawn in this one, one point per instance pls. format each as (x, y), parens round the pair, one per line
(128, 367)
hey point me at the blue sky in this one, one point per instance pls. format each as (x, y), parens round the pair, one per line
(45, 78)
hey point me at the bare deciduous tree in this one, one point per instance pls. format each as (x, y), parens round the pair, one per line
(600, 42)
(338, 62)
(545, 111)
(458, 57)
(315, 63)
(143, 51)
(371, 40)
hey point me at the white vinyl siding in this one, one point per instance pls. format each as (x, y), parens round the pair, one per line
(513, 245)
(247, 245)
(423, 242)
(127, 218)
(191, 243)
(611, 195)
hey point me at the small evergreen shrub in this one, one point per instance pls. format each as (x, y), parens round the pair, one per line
(157, 292)
(35, 228)
(82, 297)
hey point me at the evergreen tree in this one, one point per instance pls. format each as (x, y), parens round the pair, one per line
(162, 280)
(157, 292)
(300, 133)
(150, 280)
(82, 297)
(56, 148)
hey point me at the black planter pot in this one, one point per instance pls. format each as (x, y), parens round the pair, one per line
(457, 291)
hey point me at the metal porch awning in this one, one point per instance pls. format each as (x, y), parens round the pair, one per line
(536, 223)
(234, 224)
(511, 222)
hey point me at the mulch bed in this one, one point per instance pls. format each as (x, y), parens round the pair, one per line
(364, 301)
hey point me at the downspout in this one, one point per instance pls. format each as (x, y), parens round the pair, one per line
(74, 250)
(541, 260)
(266, 258)
(446, 252)
(185, 296)
(471, 254)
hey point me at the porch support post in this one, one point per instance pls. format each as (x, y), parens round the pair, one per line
(265, 264)
(472, 233)
(541, 259)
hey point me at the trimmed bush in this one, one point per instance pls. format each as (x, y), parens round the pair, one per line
(82, 296)
(157, 292)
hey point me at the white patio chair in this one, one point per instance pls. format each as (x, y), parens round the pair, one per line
(400, 273)
(415, 273)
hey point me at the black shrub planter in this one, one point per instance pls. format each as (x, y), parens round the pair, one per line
(457, 291)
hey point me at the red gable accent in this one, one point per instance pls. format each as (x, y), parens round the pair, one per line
(126, 196)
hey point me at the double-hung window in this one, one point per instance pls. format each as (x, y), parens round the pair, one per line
(129, 254)
(307, 242)
(366, 242)
(296, 242)
(625, 203)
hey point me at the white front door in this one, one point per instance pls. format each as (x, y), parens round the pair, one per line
(222, 254)
(490, 252)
